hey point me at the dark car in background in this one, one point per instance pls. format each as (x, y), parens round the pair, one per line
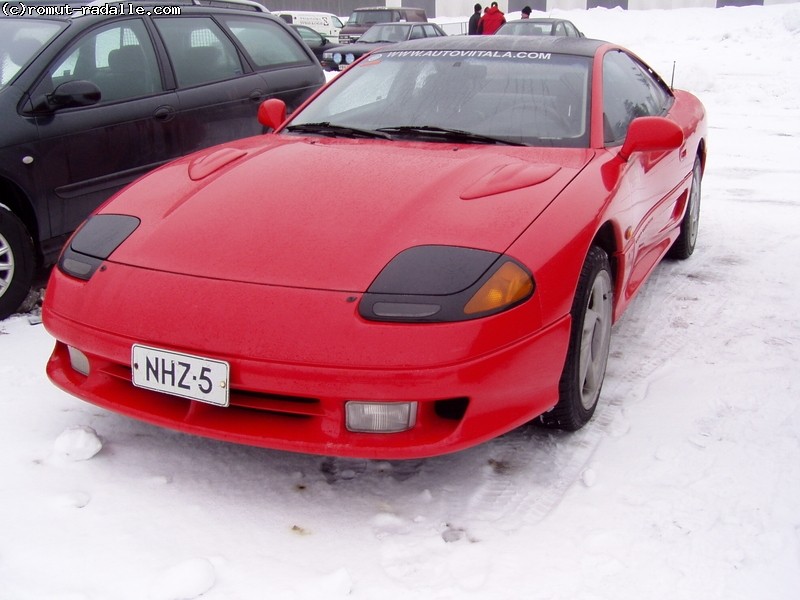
(316, 42)
(93, 97)
(365, 17)
(543, 26)
(378, 36)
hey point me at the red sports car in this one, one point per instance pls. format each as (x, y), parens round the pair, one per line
(498, 203)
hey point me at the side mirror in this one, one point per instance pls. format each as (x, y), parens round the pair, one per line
(70, 94)
(272, 113)
(647, 134)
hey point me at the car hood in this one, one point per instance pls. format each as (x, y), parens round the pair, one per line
(331, 213)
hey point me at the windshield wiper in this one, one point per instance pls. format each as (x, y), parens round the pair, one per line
(450, 135)
(331, 129)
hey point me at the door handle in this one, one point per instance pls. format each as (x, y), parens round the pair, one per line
(164, 113)
(257, 95)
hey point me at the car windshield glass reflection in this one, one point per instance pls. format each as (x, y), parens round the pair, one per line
(537, 99)
(385, 33)
(20, 41)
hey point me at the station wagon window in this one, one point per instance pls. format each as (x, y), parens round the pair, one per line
(199, 50)
(118, 58)
(629, 91)
(267, 44)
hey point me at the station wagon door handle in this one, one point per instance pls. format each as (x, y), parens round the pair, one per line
(257, 95)
(164, 113)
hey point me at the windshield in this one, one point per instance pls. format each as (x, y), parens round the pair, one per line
(385, 33)
(364, 17)
(536, 99)
(20, 41)
(527, 27)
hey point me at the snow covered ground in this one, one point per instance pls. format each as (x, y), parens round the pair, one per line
(685, 486)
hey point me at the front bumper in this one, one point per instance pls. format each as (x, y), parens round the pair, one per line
(291, 376)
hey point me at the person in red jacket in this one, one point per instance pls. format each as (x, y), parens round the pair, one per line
(491, 20)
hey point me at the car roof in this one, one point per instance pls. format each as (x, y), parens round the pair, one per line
(301, 12)
(506, 43)
(398, 24)
(537, 20)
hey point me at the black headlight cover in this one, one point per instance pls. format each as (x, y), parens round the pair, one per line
(94, 242)
(434, 284)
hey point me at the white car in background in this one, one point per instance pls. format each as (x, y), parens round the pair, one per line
(326, 24)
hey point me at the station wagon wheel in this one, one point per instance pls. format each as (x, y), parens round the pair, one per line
(684, 245)
(587, 354)
(16, 262)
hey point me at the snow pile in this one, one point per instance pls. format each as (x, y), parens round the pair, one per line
(77, 443)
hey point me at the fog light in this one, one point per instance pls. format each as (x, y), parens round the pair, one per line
(380, 417)
(78, 360)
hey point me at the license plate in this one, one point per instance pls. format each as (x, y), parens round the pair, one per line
(184, 375)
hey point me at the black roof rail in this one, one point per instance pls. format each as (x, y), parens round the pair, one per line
(251, 5)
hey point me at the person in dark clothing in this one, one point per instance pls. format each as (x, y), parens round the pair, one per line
(474, 19)
(480, 22)
(526, 12)
(491, 20)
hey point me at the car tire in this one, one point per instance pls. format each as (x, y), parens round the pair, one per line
(17, 264)
(684, 245)
(589, 342)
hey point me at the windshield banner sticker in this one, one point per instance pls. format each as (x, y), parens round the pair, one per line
(463, 54)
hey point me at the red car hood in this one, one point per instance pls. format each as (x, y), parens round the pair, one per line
(330, 213)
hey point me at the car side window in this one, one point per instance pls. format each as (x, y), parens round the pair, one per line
(118, 58)
(21, 41)
(629, 91)
(417, 33)
(199, 50)
(267, 44)
(309, 35)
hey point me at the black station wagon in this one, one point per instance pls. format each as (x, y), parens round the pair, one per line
(92, 97)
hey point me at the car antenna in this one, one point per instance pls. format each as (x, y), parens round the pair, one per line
(672, 81)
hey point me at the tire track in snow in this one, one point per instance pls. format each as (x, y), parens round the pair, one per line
(529, 471)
